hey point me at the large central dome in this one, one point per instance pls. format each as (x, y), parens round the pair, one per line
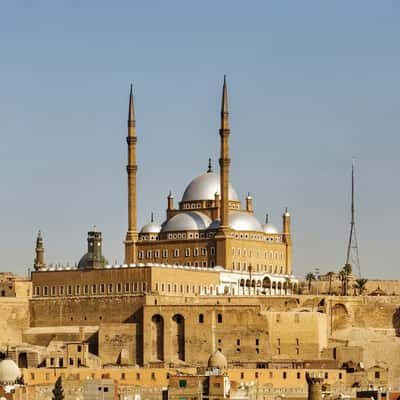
(204, 187)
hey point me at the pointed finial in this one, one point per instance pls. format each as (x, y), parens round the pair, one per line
(170, 194)
(94, 228)
(152, 217)
(224, 106)
(131, 115)
(209, 166)
(248, 194)
(266, 218)
(39, 234)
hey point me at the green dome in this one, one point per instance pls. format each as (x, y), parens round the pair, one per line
(89, 261)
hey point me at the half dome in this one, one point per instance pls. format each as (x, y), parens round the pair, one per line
(187, 221)
(204, 187)
(270, 228)
(151, 227)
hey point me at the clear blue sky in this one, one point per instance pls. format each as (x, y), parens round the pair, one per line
(311, 85)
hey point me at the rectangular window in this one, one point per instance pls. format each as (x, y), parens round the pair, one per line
(77, 290)
(94, 289)
(110, 288)
(187, 252)
(165, 253)
(284, 375)
(182, 383)
(257, 342)
(119, 287)
(212, 251)
(298, 375)
(102, 287)
(203, 251)
(196, 252)
(377, 375)
(86, 289)
(141, 255)
(45, 291)
(157, 254)
(148, 254)
(69, 289)
(127, 287)
(176, 252)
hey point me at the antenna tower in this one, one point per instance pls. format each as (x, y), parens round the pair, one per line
(352, 256)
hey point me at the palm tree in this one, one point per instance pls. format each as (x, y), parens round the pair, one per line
(345, 275)
(330, 275)
(309, 278)
(360, 285)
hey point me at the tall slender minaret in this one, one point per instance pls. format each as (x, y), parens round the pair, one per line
(224, 161)
(223, 256)
(39, 259)
(131, 235)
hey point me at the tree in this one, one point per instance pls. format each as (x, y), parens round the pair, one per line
(345, 276)
(330, 275)
(309, 278)
(360, 285)
(58, 391)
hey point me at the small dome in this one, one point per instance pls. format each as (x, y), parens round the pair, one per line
(187, 221)
(9, 371)
(204, 187)
(270, 228)
(151, 227)
(217, 360)
(240, 222)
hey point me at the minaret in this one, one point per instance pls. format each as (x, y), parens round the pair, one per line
(131, 235)
(39, 263)
(287, 239)
(223, 256)
(224, 161)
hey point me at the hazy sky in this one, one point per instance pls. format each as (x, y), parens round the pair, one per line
(311, 84)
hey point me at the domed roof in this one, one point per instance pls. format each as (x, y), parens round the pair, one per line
(269, 228)
(89, 258)
(240, 222)
(187, 221)
(204, 187)
(217, 360)
(151, 227)
(9, 371)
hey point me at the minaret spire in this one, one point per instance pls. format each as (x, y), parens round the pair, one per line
(224, 160)
(39, 259)
(131, 169)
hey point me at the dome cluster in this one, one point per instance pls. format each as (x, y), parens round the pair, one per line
(206, 187)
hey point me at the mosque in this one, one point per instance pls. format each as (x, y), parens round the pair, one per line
(208, 231)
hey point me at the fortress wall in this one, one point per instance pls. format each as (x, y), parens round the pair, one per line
(14, 318)
(73, 311)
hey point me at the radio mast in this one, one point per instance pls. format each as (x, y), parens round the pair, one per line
(352, 256)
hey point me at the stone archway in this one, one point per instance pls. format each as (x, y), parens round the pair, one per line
(157, 337)
(178, 336)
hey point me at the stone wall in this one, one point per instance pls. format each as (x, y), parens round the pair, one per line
(14, 318)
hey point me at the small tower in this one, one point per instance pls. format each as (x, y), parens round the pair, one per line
(170, 201)
(314, 381)
(249, 203)
(39, 263)
(94, 257)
